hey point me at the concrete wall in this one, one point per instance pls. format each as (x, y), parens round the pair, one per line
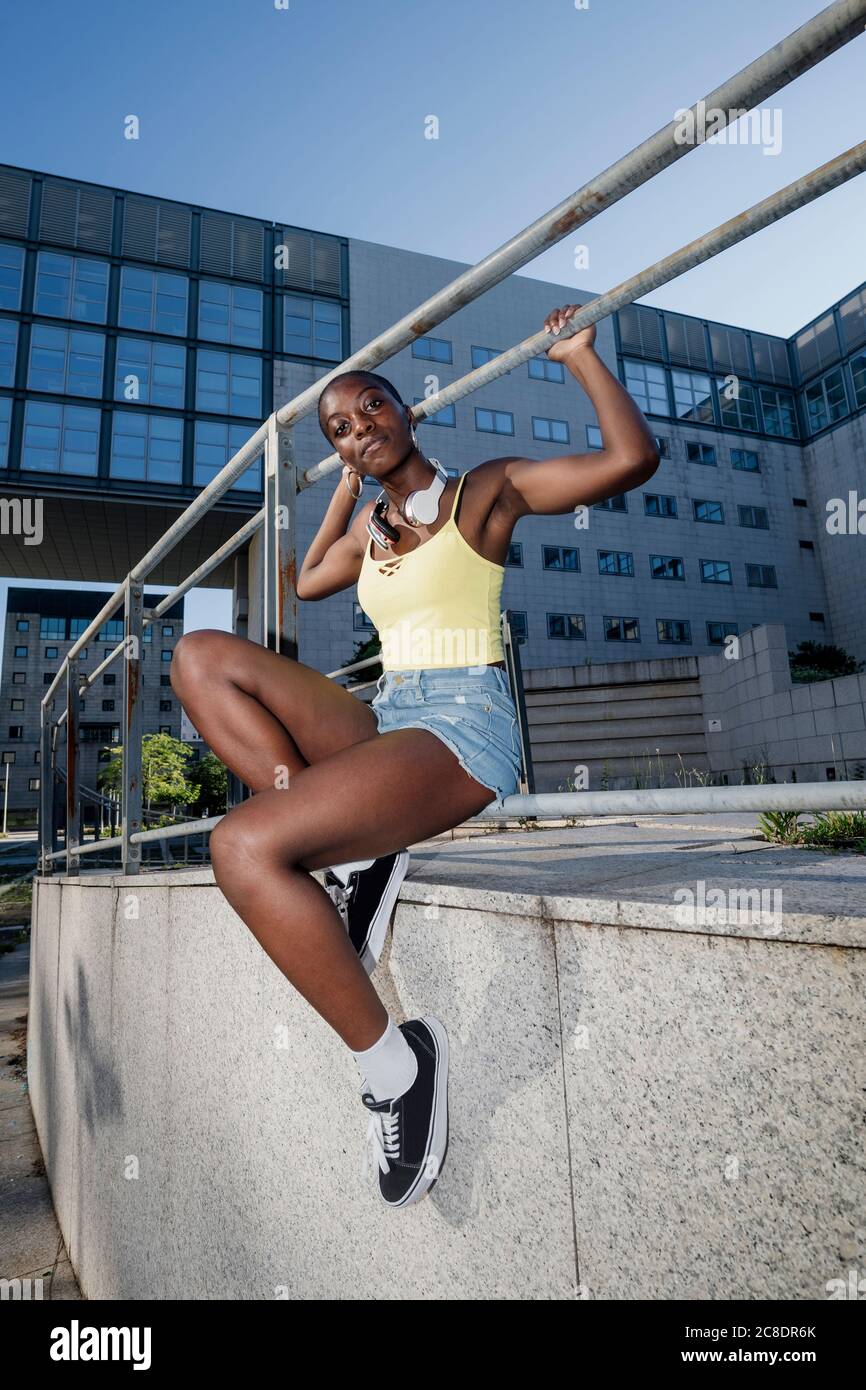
(625, 722)
(802, 732)
(632, 1115)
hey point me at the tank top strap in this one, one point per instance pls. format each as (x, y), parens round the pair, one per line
(458, 498)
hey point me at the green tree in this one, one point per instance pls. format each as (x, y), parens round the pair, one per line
(210, 778)
(163, 771)
(368, 646)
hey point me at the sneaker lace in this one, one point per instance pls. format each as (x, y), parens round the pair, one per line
(340, 898)
(383, 1136)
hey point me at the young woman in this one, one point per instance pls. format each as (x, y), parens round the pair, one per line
(437, 744)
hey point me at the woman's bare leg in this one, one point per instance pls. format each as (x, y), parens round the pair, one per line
(358, 794)
(260, 711)
(370, 799)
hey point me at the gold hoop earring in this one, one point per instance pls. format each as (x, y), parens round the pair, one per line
(357, 475)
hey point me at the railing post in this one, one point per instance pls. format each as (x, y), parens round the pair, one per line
(73, 767)
(46, 792)
(132, 726)
(280, 600)
(515, 678)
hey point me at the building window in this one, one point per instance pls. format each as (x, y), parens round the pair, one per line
(229, 314)
(8, 757)
(716, 572)
(746, 459)
(816, 618)
(146, 447)
(663, 444)
(165, 706)
(67, 360)
(494, 421)
(593, 437)
(700, 453)
(858, 376)
(779, 414)
(705, 510)
(16, 730)
(107, 705)
(619, 503)
(5, 420)
(717, 632)
(165, 728)
(667, 567)
(60, 438)
(158, 372)
(825, 401)
(111, 631)
(673, 630)
(570, 627)
(69, 287)
(19, 677)
(21, 651)
(22, 625)
(360, 620)
(560, 557)
(545, 369)
(312, 328)
(515, 553)
(761, 576)
(165, 654)
(11, 275)
(110, 678)
(8, 346)
(33, 784)
(16, 704)
(228, 383)
(693, 397)
(153, 301)
(621, 630)
(52, 627)
(51, 653)
(807, 545)
(739, 412)
(481, 355)
(48, 677)
(214, 445)
(432, 349)
(551, 431)
(168, 630)
(165, 680)
(754, 516)
(518, 624)
(647, 386)
(445, 416)
(659, 504)
(620, 562)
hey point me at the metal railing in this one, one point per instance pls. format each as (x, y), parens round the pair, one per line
(809, 45)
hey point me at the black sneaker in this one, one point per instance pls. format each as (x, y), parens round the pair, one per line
(364, 894)
(410, 1133)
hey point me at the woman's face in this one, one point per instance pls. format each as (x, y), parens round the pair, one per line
(355, 416)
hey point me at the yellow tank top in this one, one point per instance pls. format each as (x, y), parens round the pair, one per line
(436, 606)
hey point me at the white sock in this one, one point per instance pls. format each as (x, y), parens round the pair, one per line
(342, 871)
(390, 1066)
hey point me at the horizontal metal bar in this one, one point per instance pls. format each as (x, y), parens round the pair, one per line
(680, 801)
(805, 797)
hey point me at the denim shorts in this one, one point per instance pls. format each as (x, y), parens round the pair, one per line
(470, 710)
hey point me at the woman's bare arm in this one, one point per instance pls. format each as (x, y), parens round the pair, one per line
(629, 455)
(333, 561)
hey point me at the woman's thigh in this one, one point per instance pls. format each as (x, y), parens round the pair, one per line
(377, 796)
(320, 715)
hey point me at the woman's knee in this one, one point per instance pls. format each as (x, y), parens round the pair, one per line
(195, 655)
(247, 841)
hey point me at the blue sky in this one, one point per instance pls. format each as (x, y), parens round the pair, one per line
(315, 114)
